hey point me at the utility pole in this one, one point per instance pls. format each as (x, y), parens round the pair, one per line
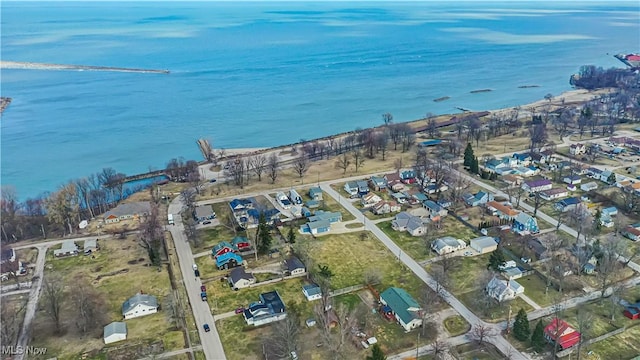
(418, 345)
(509, 320)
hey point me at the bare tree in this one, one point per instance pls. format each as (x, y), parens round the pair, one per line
(258, 164)
(273, 167)
(343, 161)
(11, 317)
(358, 159)
(481, 333)
(372, 276)
(284, 337)
(387, 119)
(53, 298)
(301, 165)
(236, 169)
(345, 320)
(151, 235)
(88, 305)
(397, 164)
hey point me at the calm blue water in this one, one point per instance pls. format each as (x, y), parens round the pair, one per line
(256, 74)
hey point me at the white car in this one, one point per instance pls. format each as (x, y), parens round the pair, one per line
(195, 267)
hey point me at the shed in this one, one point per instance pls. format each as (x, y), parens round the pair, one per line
(116, 331)
(312, 292)
(483, 244)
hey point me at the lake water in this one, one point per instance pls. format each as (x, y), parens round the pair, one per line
(265, 74)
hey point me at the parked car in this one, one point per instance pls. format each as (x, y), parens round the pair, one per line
(239, 310)
(206, 327)
(212, 180)
(203, 288)
(195, 267)
(206, 222)
(197, 272)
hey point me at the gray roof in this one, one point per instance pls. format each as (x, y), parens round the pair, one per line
(138, 207)
(137, 299)
(523, 217)
(445, 241)
(294, 263)
(318, 224)
(411, 222)
(484, 241)
(67, 247)
(90, 244)
(238, 274)
(115, 327)
(204, 211)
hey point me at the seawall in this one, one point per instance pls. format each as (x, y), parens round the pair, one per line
(44, 66)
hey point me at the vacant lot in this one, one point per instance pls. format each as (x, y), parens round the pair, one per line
(119, 270)
(622, 346)
(466, 273)
(492, 312)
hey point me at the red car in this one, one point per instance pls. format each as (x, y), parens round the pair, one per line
(203, 288)
(239, 310)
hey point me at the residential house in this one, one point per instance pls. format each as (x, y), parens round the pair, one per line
(436, 212)
(240, 204)
(394, 182)
(512, 180)
(512, 273)
(204, 213)
(539, 158)
(523, 159)
(561, 333)
(370, 199)
(483, 244)
(363, 187)
(537, 185)
(90, 246)
(312, 292)
(239, 278)
(293, 266)
(241, 243)
(114, 332)
(609, 211)
(140, 305)
(577, 149)
(632, 311)
(125, 211)
(632, 232)
(407, 222)
(351, 188)
(480, 198)
(283, 200)
(228, 260)
(385, 207)
(408, 176)
(418, 197)
(502, 211)
(378, 183)
(221, 248)
(313, 204)
(496, 164)
(503, 290)
(405, 308)
(315, 193)
(572, 179)
(321, 222)
(553, 194)
(68, 248)
(445, 203)
(268, 309)
(7, 255)
(447, 244)
(295, 197)
(567, 204)
(589, 186)
(525, 171)
(593, 173)
(9, 269)
(524, 224)
(607, 176)
(400, 197)
(537, 247)
(330, 216)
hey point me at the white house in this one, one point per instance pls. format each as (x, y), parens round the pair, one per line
(589, 186)
(312, 292)
(68, 248)
(572, 179)
(410, 223)
(139, 305)
(370, 199)
(503, 290)
(116, 331)
(537, 185)
(405, 308)
(447, 244)
(293, 266)
(577, 149)
(553, 194)
(239, 278)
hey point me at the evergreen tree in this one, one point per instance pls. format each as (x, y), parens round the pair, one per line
(376, 353)
(468, 156)
(264, 235)
(496, 260)
(537, 338)
(596, 220)
(521, 328)
(475, 166)
(291, 236)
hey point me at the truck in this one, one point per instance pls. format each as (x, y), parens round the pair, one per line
(203, 296)
(170, 219)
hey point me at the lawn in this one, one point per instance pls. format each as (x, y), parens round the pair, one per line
(496, 312)
(456, 325)
(330, 204)
(210, 236)
(534, 288)
(466, 272)
(600, 322)
(473, 351)
(344, 254)
(117, 271)
(412, 245)
(622, 346)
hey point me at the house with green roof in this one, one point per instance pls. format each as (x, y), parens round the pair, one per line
(399, 303)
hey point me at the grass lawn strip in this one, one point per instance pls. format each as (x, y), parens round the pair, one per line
(456, 325)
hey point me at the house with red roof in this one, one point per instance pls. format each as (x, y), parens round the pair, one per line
(632, 311)
(561, 333)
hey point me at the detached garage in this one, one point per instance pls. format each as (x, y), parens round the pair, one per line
(483, 244)
(116, 331)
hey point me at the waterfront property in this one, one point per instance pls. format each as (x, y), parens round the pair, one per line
(139, 305)
(126, 211)
(402, 306)
(268, 309)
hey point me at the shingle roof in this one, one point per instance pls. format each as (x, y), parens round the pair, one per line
(138, 207)
(238, 273)
(115, 327)
(137, 299)
(400, 302)
(294, 263)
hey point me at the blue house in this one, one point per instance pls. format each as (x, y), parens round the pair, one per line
(610, 211)
(567, 204)
(523, 159)
(312, 204)
(240, 204)
(408, 176)
(329, 216)
(524, 224)
(351, 188)
(316, 227)
(228, 260)
(479, 198)
(315, 193)
(379, 183)
(363, 187)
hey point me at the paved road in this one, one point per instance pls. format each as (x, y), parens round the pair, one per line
(499, 341)
(16, 292)
(32, 304)
(211, 344)
(427, 349)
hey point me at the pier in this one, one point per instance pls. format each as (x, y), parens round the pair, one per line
(147, 175)
(44, 66)
(4, 102)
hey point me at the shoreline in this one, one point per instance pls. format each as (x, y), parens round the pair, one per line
(20, 65)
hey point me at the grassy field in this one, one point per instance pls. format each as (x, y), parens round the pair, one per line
(622, 346)
(466, 272)
(600, 322)
(118, 271)
(456, 325)
(496, 312)
(473, 351)
(534, 287)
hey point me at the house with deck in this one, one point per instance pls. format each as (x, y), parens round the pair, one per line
(402, 306)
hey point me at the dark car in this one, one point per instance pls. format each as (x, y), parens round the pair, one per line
(197, 272)
(212, 180)
(239, 310)
(206, 222)
(203, 288)
(206, 327)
